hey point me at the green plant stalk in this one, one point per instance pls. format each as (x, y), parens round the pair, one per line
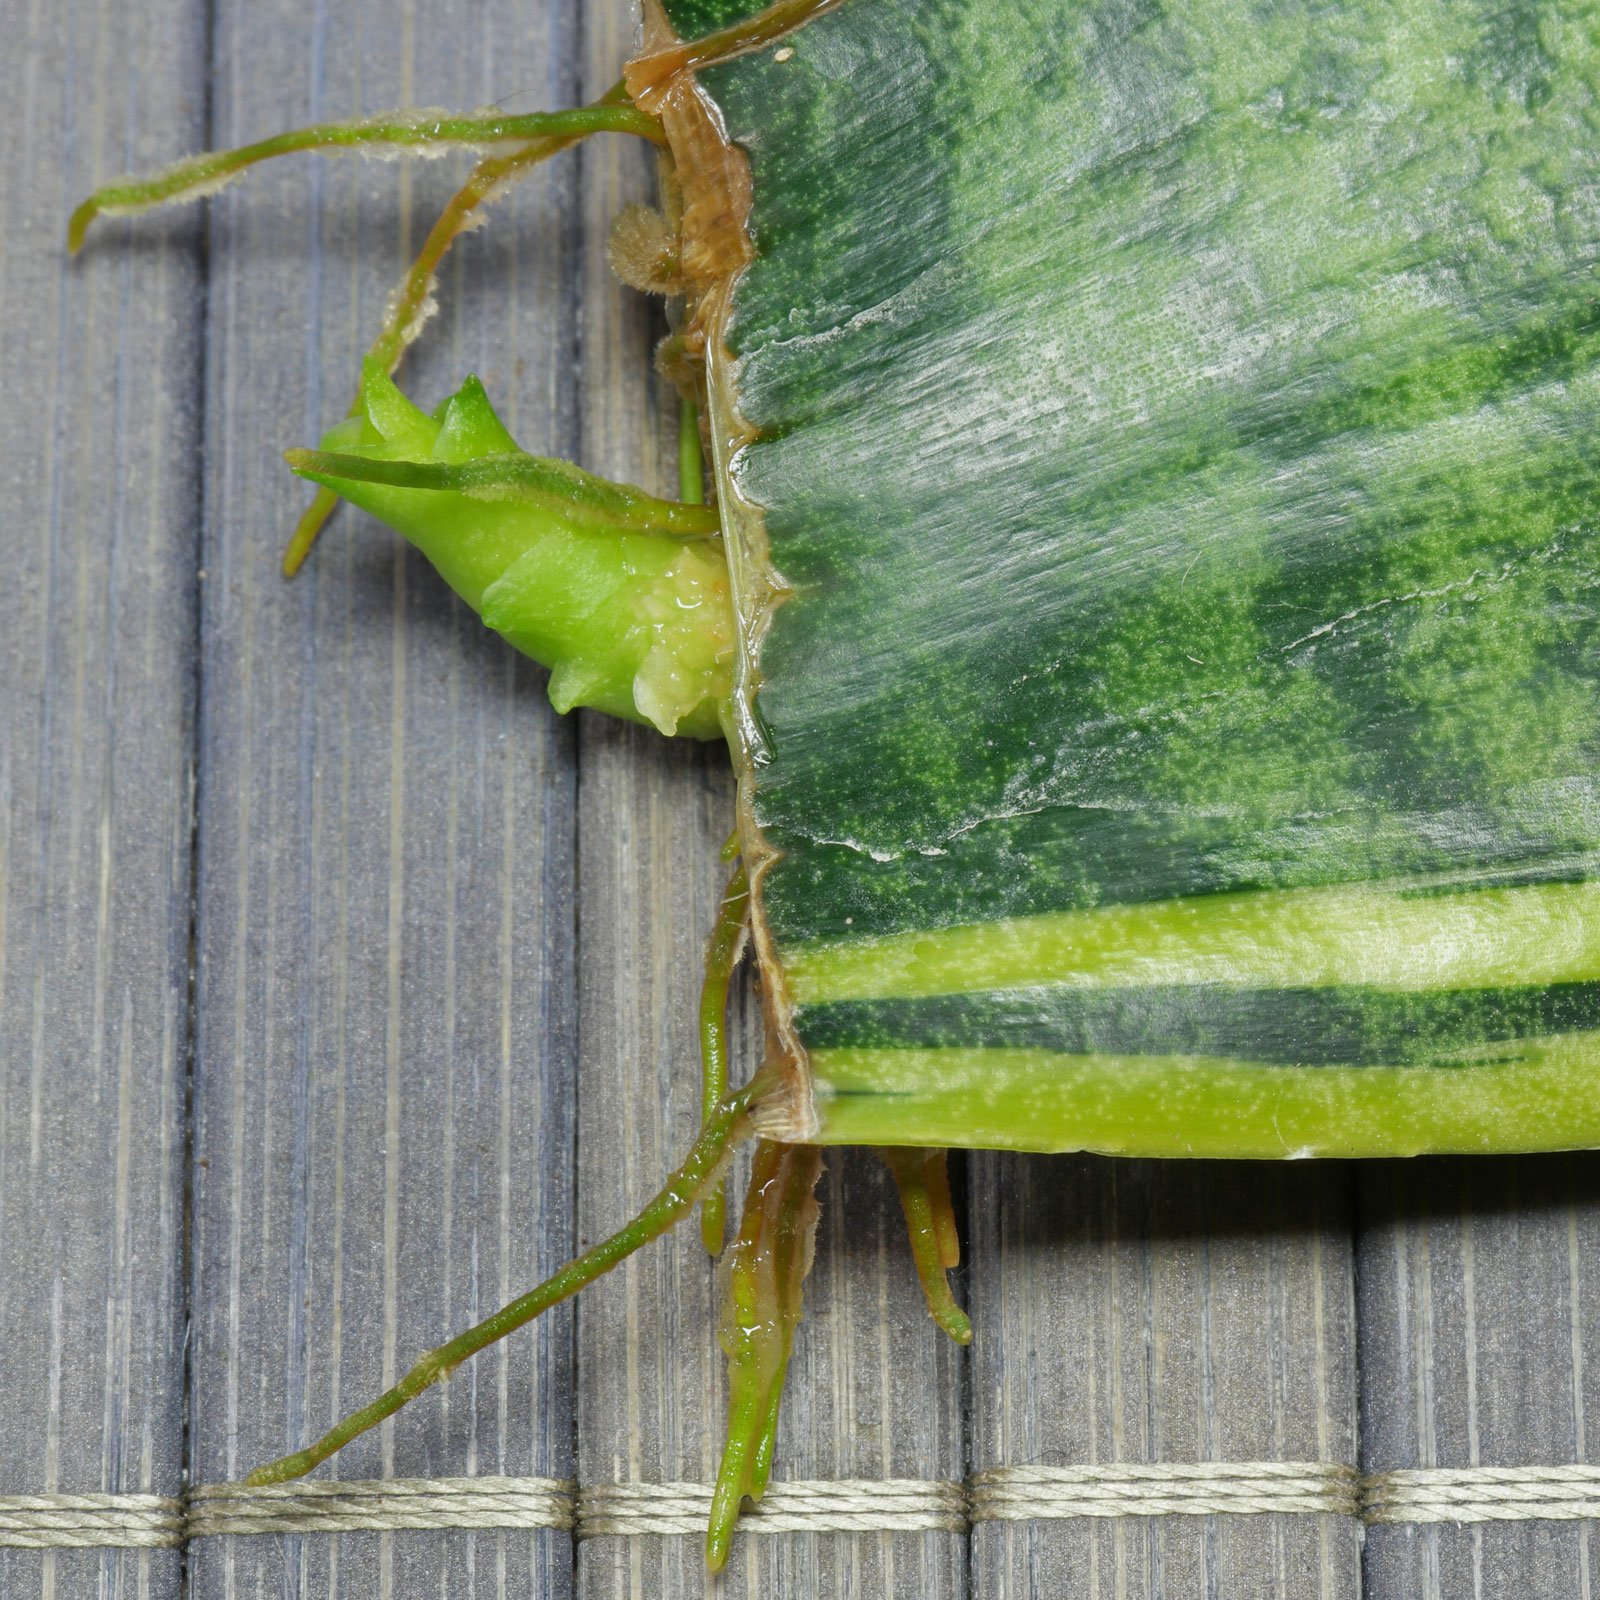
(691, 460)
(923, 1185)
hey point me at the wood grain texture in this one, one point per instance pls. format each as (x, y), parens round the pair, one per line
(1148, 1311)
(873, 1390)
(1480, 1302)
(383, 1088)
(99, 415)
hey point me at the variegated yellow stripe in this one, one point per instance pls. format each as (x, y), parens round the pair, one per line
(1288, 938)
(1536, 1094)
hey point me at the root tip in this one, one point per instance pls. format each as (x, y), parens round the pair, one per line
(78, 224)
(718, 1543)
(311, 523)
(726, 1505)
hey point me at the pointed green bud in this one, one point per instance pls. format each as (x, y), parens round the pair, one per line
(623, 596)
(468, 426)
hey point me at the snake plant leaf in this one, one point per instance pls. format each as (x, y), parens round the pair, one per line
(1175, 439)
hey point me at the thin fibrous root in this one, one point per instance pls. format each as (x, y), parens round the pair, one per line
(404, 316)
(418, 131)
(722, 957)
(766, 1271)
(701, 1168)
(923, 1179)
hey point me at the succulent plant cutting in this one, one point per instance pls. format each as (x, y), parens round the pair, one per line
(1149, 592)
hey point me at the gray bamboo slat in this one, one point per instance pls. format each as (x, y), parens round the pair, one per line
(1162, 1312)
(872, 1390)
(1480, 1302)
(383, 1090)
(100, 421)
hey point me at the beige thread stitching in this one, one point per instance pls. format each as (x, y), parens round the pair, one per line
(1126, 1489)
(88, 1521)
(398, 1503)
(853, 1505)
(847, 1505)
(1484, 1494)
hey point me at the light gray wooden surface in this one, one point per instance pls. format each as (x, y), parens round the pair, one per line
(1163, 1312)
(99, 475)
(1479, 1288)
(448, 947)
(384, 1085)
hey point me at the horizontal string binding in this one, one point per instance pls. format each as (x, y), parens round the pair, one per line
(1483, 1494)
(1162, 1489)
(891, 1505)
(90, 1521)
(847, 1505)
(382, 1505)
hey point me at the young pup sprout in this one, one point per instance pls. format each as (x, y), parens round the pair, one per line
(622, 595)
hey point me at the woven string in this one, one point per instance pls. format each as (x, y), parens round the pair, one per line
(1000, 1494)
(1020, 1494)
(83, 1521)
(383, 1505)
(1484, 1494)
(847, 1505)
